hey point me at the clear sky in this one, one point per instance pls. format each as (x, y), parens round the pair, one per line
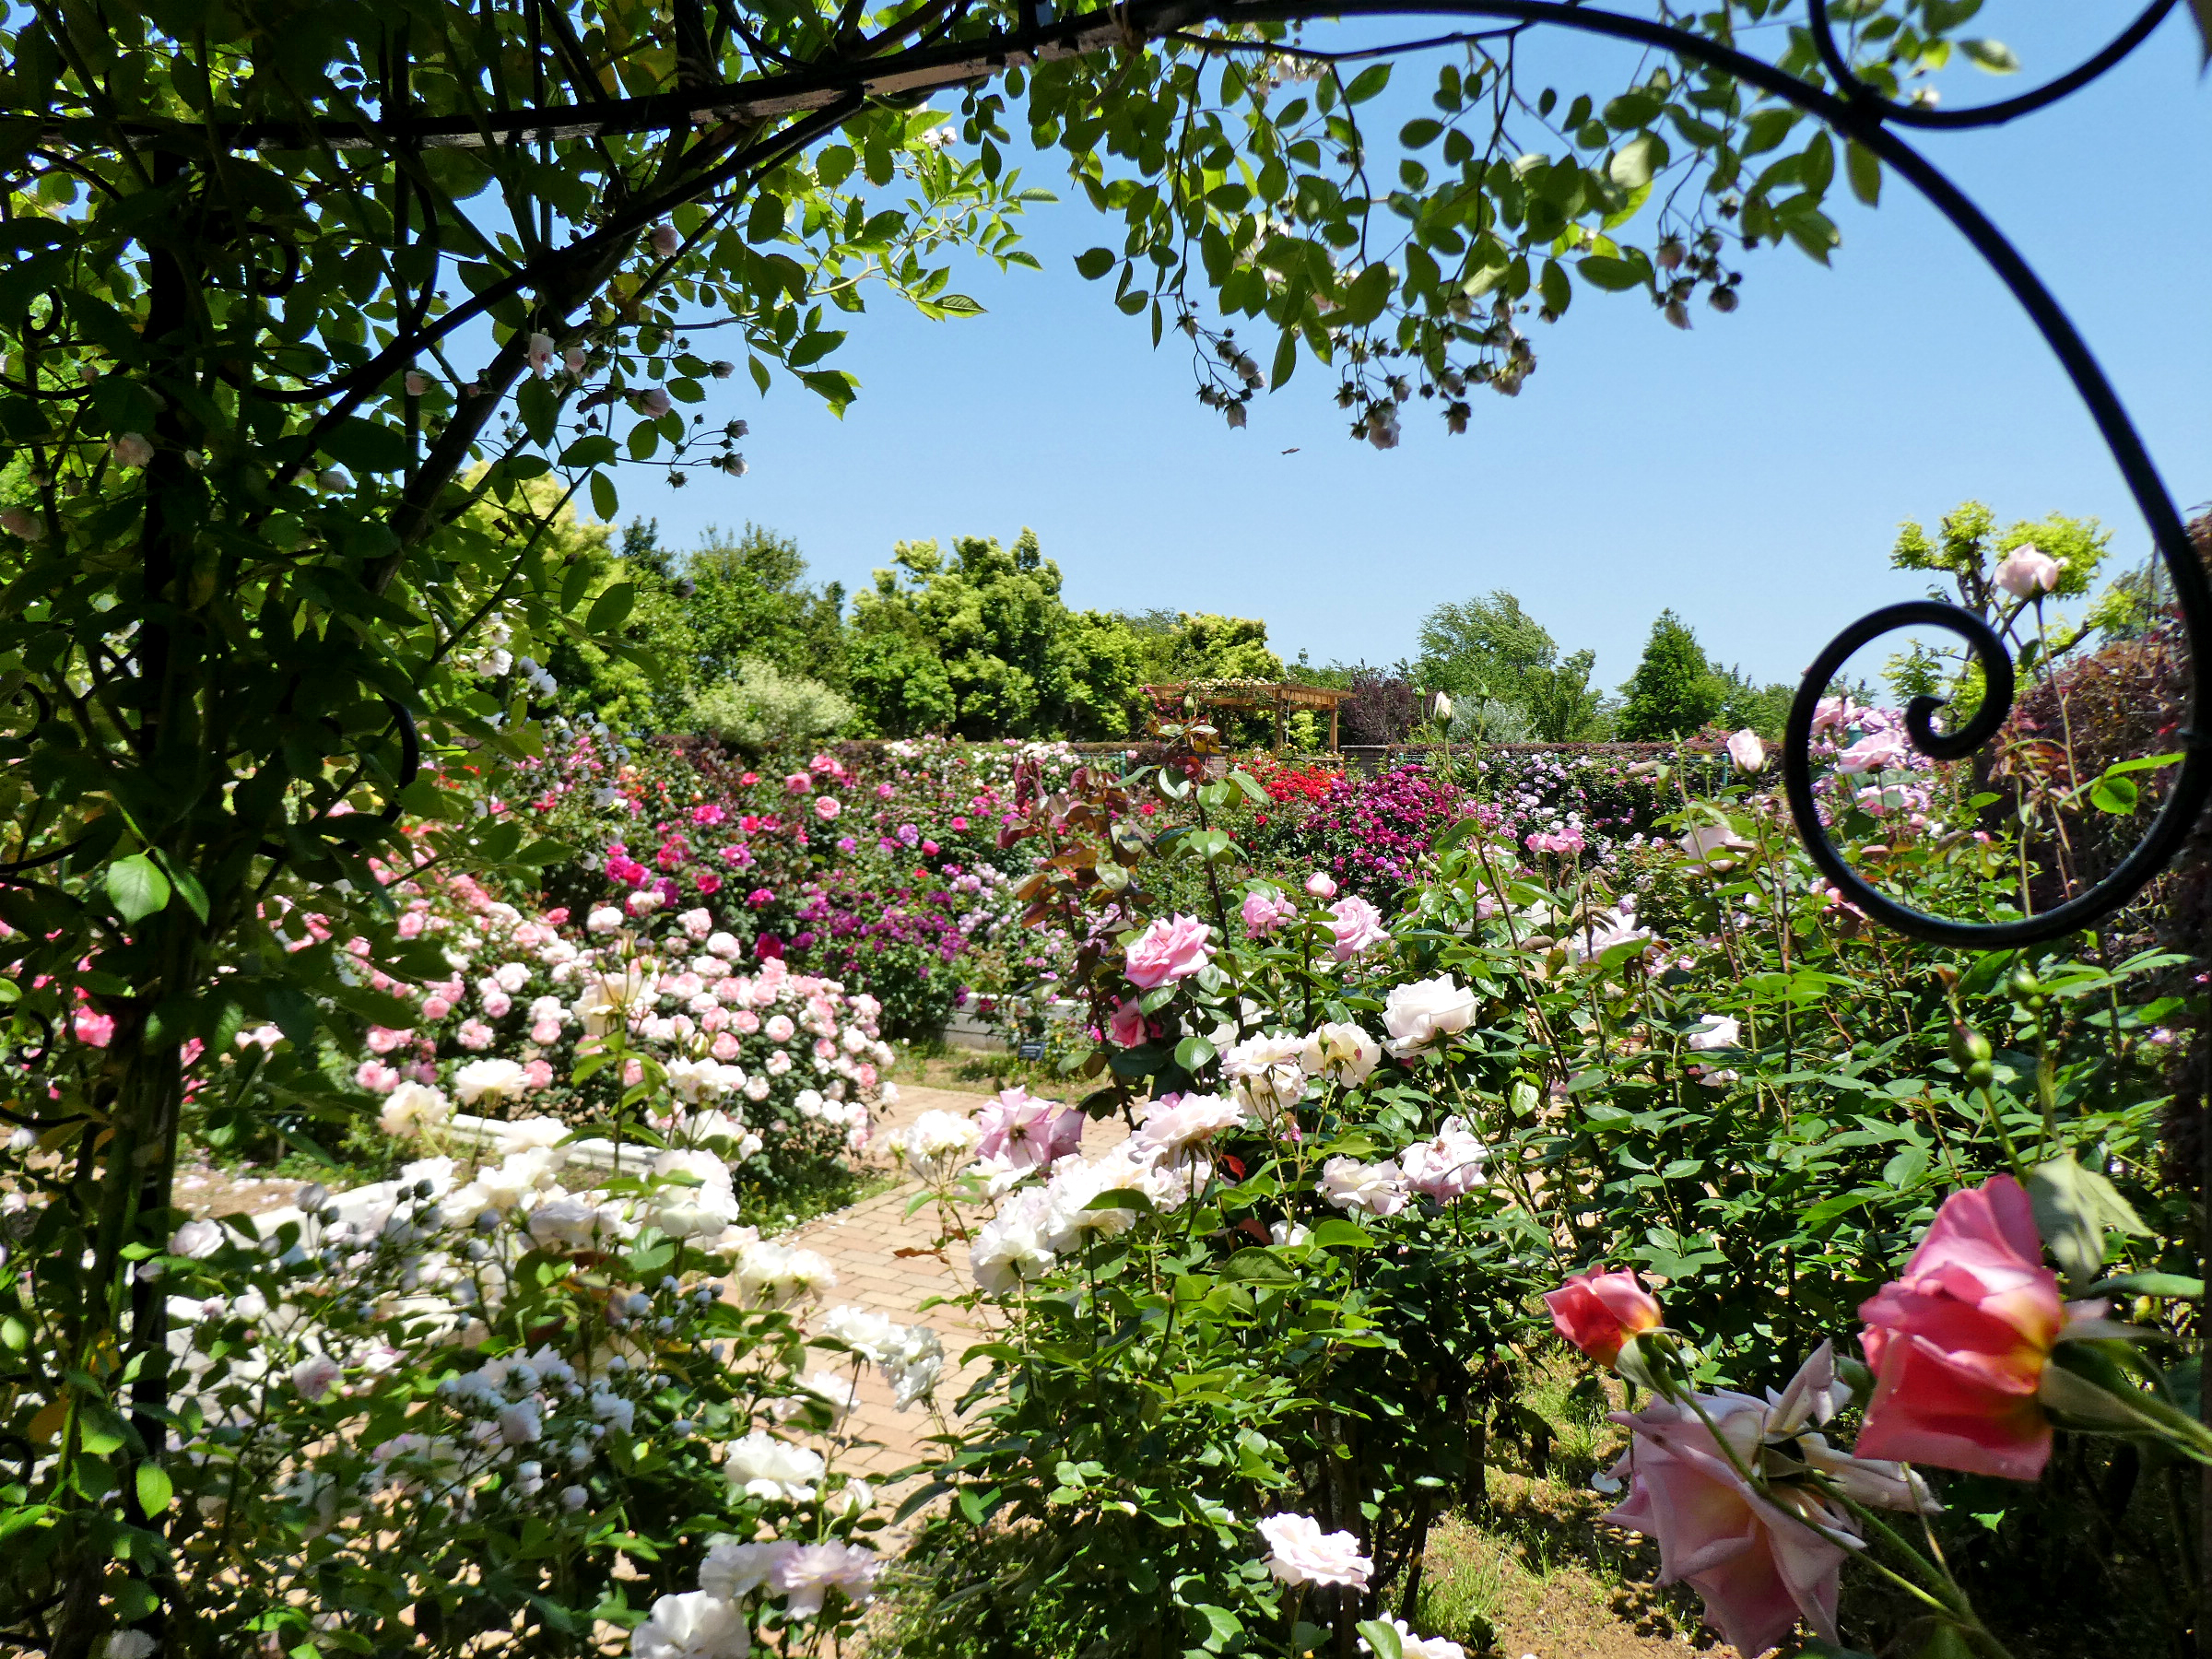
(1749, 472)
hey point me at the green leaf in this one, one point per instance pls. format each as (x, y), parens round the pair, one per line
(1865, 169)
(1193, 1053)
(2115, 795)
(155, 1493)
(611, 610)
(1418, 135)
(1368, 84)
(2148, 1284)
(1381, 1638)
(136, 887)
(2073, 1207)
(365, 446)
(605, 502)
(2201, 10)
(1615, 276)
(1336, 1233)
(1993, 55)
(1094, 264)
(832, 167)
(1634, 163)
(186, 884)
(1253, 1265)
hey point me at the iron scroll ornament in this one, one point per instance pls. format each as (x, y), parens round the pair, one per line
(1856, 111)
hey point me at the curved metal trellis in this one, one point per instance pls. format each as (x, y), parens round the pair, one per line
(1856, 111)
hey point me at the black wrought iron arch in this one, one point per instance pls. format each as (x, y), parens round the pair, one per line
(821, 95)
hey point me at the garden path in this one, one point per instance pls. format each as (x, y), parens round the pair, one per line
(884, 1263)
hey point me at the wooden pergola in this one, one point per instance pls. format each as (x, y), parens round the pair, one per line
(1253, 696)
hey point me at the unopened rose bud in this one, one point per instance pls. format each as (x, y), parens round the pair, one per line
(1236, 417)
(723, 370)
(1724, 301)
(574, 358)
(2028, 571)
(1671, 254)
(665, 242)
(653, 401)
(1677, 313)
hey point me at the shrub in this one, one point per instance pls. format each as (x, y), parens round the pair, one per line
(763, 708)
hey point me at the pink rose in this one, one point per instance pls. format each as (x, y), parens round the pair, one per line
(1320, 885)
(633, 1073)
(475, 1034)
(1263, 913)
(1878, 751)
(539, 1074)
(1759, 1567)
(1960, 1340)
(96, 1029)
(1599, 1312)
(545, 1031)
(798, 782)
(1126, 1029)
(2028, 571)
(436, 1008)
(826, 807)
(377, 1077)
(1169, 950)
(1357, 927)
(725, 1047)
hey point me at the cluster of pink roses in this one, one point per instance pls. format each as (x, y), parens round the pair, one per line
(1748, 1502)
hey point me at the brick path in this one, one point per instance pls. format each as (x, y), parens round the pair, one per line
(862, 1244)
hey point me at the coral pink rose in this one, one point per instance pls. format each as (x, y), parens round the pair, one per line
(1169, 950)
(1960, 1340)
(1599, 1312)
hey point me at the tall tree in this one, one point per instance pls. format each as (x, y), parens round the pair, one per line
(1674, 690)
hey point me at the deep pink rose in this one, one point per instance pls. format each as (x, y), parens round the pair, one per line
(1960, 1340)
(1169, 950)
(1599, 1312)
(1126, 1029)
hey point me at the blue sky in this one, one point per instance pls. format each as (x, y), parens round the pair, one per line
(1749, 472)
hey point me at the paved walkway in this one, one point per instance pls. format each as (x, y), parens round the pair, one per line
(886, 1263)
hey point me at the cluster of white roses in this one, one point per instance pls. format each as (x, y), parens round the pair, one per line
(714, 1620)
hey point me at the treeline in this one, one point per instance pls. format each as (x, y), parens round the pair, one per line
(975, 640)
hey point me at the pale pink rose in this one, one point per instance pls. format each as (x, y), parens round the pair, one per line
(1376, 1189)
(382, 1040)
(1759, 1567)
(2026, 572)
(780, 1028)
(826, 807)
(664, 241)
(696, 923)
(475, 1035)
(654, 401)
(1878, 751)
(545, 1031)
(1299, 1552)
(808, 1572)
(1169, 950)
(1321, 886)
(539, 1074)
(1745, 752)
(633, 1073)
(1357, 927)
(1960, 1340)
(1263, 913)
(376, 1078)
(436, 1008)
(1176, 1122)
(747, 1021)
(498, 1004)
(537, 351)
(1449, 1165)
(315, 1376)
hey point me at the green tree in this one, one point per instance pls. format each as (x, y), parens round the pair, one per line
(1745, 703)
(1488, 647)
(969, 645)
(749, 600)
(1674, 690)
